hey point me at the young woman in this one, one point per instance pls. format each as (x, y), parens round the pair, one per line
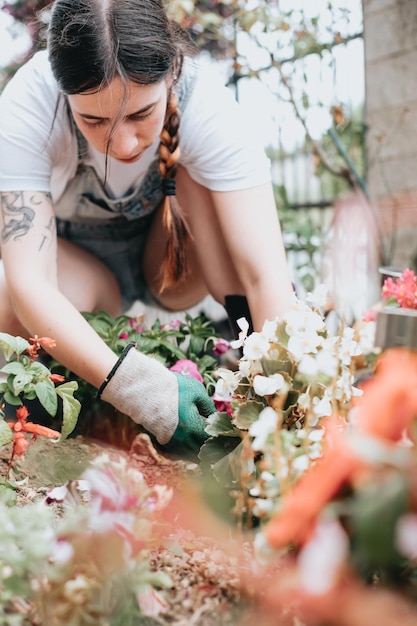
(128, 173)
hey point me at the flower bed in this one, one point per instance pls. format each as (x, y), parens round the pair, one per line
(312, 465)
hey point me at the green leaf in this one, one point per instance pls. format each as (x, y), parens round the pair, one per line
(221, 424)
(20, 381)
(146, 345)
(247, 414)
(45, 391)
(7, 493)
(272, 366)
(10, 398)
(70, 407)
(14, 367)
(196, 345)
(173, 350)
(376, 510)
(216, 448)
(207, 362)
(12, 345)
(6, 434)
(38, 370)
(229, 469)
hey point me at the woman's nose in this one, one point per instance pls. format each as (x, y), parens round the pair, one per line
(124, 143)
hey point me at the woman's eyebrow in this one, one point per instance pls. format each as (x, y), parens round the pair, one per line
(88, 116)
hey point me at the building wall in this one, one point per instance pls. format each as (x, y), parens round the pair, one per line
(390, 39)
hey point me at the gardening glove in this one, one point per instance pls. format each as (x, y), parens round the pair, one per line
(170, 406)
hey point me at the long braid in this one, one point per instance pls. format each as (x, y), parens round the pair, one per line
(174, 266)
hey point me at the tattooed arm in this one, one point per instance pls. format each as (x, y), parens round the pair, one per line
(29, 254)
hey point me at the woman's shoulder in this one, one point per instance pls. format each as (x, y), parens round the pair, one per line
(203, 82)
(33, 78)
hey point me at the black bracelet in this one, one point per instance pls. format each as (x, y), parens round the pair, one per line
(114, 368)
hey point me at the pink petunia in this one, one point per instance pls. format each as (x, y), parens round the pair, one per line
(187, 367)
(221, 346)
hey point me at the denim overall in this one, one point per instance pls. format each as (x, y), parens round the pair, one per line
(115, 230)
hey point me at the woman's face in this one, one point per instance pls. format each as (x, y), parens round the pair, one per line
(95, 114)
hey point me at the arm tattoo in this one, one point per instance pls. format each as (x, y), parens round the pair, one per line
(51, 230)
(18, 214)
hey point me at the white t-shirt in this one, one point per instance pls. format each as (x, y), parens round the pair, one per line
(38, 150)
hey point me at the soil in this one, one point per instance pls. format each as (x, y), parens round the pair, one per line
(205, 564)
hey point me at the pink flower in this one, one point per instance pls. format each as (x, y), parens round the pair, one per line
(187, 367)
(124, 336)
(136, 324)
(222, 405)
(221, 346)
(402, 289)
(369, 315)
(173, 325)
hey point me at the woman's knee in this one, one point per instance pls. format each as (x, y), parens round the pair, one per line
(86, 281)
(9, 322)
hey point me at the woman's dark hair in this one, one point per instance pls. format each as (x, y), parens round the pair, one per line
(91, 42)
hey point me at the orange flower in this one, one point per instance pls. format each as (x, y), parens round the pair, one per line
(386, 409)
(295, 521)
(21, 426)
(45, 342)
(389, 402)
(19, 445)
(22, 413)
(57, 378)
(39, 342)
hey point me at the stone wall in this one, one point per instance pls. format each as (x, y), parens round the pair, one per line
(390, 39)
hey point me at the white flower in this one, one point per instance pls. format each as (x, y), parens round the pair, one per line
(406, 535)
(303, 320)
(263, 507)
(322, 408)
(301, 463)
(299, 345)
(62, 552)
(322, 558)
(319, 296)
(327, 363)
(323, 362)
(308, 366)
(349, 347)
(316, 435)
(268, 385)
(249, 368)
(269, 329)
(256, 346)
(366, 338)
(243, 324)
(265, 425)
(304, 401)
(226, 384)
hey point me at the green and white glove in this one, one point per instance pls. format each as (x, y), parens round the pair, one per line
(170, 406)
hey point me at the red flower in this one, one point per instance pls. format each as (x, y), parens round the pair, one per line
(222, 405)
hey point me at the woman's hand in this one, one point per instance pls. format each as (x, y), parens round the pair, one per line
(170, 406)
